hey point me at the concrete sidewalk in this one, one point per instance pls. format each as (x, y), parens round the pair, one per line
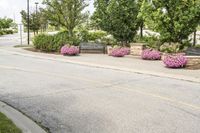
(128, 63)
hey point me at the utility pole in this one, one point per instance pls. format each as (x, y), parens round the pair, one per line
(28, 22)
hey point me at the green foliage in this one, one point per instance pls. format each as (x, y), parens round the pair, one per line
(5, 23)
(197, 46)
(35, 22)
(8, 31)
(109, 40)
(83, 34)
(7, 126)
(94, 35)
(86, 35)
(151, 41)
(67, 14)
(44, 42)
(175, 20)
(53, 43)
(169, 48)
(1, 33)
(175, 47)
(63, 37)
(118, 18)
(5, 32)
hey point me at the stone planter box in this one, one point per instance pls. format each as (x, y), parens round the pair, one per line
(193, 61)
(137, 48)
(109, 49)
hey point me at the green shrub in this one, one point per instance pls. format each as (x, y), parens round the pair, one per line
(151, 41)
(109, 40)
(1, 33)
(175, 47)
(44, 42)
(5, 32)
(53, 43)
(84, 35)
(197, 46)
(92, 36)
(60, 39)
(8, 31)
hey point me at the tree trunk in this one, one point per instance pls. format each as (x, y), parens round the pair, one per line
(194, 38)
(141, 29)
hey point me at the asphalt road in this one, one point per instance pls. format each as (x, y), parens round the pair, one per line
(70, 98)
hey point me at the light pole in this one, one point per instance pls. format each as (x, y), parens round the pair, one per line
(36, 14)
(28, 22)
(36, 5)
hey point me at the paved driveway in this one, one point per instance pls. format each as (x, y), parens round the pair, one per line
(71, 98)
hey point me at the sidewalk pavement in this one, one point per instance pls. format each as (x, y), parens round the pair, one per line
(128, 64)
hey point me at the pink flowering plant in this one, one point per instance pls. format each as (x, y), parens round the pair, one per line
(120, 52)
(150, 54)
(175, 61)
(69, 50)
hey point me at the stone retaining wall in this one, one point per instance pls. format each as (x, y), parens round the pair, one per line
(137, 48)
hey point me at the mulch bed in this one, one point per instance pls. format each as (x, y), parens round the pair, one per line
(32, 49)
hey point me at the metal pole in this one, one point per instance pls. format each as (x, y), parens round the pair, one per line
(20, 32)
(28, 22)
(36, 4)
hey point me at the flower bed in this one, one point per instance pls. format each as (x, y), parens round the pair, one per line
(120, 52)
(175, 61)
(149, 54)
(69, 50)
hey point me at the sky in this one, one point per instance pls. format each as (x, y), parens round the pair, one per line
(12, 8)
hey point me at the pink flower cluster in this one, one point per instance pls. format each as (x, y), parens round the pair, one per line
(69, 50)
(120, 52)
(175, 61)
(149, 54)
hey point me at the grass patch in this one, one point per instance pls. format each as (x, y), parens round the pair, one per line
(7, 126)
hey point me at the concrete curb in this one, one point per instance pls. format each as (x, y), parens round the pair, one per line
(158, 74)
(20, 120)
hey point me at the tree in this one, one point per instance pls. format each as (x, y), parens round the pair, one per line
(175, 20)
(34, 21)
(66, 13)
(117, 17)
